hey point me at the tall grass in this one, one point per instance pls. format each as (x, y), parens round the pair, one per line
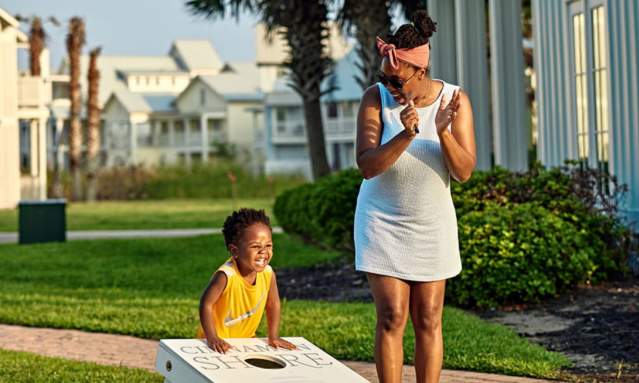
(222, 179)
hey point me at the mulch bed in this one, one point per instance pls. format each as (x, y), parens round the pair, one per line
(595, 326)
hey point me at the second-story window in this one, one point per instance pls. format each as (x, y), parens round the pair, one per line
(331, 110)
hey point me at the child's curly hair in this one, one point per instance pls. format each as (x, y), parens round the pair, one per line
(239, 220)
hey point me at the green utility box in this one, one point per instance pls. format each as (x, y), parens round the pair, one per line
(42, 221)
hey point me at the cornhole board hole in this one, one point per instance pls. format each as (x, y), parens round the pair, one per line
(250, 360)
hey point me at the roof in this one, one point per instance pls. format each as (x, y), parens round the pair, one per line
(196, 55)
(342, 79)
(110, 65)
(160, 102)
(241, 83)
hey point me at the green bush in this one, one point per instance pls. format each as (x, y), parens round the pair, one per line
(519, 253)
(523, 236)
(322, 212)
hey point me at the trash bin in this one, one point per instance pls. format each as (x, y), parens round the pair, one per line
(42, 221)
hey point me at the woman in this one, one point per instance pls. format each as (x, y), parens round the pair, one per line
(413, 133)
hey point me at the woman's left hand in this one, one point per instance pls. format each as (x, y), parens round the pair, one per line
(447, 112)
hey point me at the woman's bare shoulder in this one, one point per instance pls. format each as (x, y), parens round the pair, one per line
(370, 98)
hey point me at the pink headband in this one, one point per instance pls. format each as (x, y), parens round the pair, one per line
(417, 56)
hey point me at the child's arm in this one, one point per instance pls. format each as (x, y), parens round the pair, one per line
(211, 294)
(273, 317)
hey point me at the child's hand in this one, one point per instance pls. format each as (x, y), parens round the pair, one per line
(281, 343)
(219, 345)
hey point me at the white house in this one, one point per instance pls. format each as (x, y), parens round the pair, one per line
(23, 116)
(181, 107)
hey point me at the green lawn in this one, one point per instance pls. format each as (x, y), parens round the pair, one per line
(150, 288)
(156, 214)
(23, 367)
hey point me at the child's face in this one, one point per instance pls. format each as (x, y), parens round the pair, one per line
(255, 248)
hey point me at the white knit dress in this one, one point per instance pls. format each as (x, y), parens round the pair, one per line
(405, 222)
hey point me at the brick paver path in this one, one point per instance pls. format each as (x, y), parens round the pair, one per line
(120, 350)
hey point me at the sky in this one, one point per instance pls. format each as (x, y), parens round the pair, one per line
(137, 27)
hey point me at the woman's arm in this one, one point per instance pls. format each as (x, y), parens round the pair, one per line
(211, 294)
(373, 158)
(273, 317)
(458, 144)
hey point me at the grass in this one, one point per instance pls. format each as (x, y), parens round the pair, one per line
(23, 367)
(155, 214)
(150, 289)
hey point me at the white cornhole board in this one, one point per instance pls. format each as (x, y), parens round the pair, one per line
(192, 361)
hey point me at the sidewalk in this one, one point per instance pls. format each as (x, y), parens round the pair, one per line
(120, 350)
(12, 237)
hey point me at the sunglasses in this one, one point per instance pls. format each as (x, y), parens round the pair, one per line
(393, 81)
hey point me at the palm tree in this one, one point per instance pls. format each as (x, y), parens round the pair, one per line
(303, 25)
(365, 20)
(37, 38)
(93, 132)
(75, 41)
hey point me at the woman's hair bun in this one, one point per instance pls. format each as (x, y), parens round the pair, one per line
(424, 24)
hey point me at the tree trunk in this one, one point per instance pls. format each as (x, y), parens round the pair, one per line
(93, 136)
(315, 134)
(36, 45)
(75, 40)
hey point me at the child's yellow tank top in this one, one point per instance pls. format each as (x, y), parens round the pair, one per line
(238, 311)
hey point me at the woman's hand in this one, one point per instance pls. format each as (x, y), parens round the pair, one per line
(218, 344)
(410, 119)
(447, 112)
(281, 343)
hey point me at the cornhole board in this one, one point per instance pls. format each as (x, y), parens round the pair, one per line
(250, 360)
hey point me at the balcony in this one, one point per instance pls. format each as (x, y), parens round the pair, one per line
(31, 92)
(289, 132)
(340, 129)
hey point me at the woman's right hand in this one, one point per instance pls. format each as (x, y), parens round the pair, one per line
(409, 119)
(218, 344)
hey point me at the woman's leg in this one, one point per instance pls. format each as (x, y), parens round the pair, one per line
(391, 301)
(426, 307)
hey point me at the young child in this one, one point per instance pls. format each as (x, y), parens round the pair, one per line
(244, 287)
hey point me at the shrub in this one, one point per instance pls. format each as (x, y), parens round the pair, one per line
(523, 236)
(322, 212)
(197, 181)
(518, 253)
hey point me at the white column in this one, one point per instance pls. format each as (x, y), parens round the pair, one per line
(33, 148)
(187, 137)
(510, 128)
(171, 134)
(58, 156)
(133, 142)
(443, 55)
(205, 138)
(472, 71)
(42, 158)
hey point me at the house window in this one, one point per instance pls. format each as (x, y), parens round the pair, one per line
(179, 133)
(590, 99)
(202, 97)
(331, 110)
(348, 109)
(581, 90)
(600, 86)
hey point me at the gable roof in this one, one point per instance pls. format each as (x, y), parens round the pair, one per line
(196, 55)
(110, 66)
